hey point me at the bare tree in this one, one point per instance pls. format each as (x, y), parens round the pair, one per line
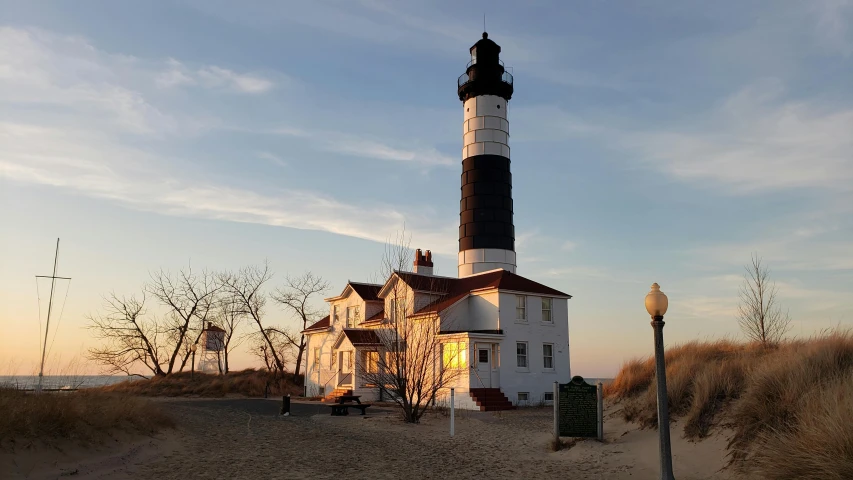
(760, 316)
(230, 317)
(189, 298)
(296, 296)
(282, 346)
(159, 344)
(129, 338)
(410, 364)
(244, 288)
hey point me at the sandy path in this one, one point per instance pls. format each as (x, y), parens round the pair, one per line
(246, 439)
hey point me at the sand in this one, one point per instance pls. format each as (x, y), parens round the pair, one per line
(246, 439)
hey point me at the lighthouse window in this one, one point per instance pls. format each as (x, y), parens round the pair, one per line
(499, 107)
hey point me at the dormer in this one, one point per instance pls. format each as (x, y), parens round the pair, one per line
(357, 302)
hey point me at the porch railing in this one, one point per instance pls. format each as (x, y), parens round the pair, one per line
(477, 374)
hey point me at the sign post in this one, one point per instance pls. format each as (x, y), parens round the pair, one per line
(452, 409)
(600, 411)
(556, 412)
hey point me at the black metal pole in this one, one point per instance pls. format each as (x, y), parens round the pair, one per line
(663, 406)
(285, 405)
(192, 372)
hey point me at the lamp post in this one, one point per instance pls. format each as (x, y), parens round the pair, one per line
(193, 348)
(656, 305)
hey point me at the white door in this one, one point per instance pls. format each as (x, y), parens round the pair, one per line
(345, 360)
(484, 365)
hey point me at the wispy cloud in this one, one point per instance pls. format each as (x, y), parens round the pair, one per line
(211, 76)
(834, 18)
(271, 157)
(757, 141)
(86, 163)
(568, 246)
(81, 145)
(360, 146)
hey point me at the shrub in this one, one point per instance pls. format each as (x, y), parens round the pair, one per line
(82, 415)
(787, 406)
(249, 382)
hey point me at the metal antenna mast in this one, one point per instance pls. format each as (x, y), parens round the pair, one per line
(49, 305)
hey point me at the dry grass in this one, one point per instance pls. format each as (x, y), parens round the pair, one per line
(250, 382)
(79, 415)
(786, 406)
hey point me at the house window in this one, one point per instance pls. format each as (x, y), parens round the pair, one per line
(548, 397)
(521, 308)
(352, 316)
(523, 397)
(454, 355)
(546, 310)
(521, 354)
(483, 355)
(548, 356)
(335, 316)
(371, 362)
(322, 391)
(316, 358)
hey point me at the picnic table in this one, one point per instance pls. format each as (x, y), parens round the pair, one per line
(343, 404)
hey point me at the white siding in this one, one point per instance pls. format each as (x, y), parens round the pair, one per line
(534, 379)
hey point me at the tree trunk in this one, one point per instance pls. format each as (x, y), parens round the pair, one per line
(226, 358)
(301, 351)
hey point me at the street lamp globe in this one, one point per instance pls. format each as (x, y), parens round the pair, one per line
(656, 302)
(194, 346)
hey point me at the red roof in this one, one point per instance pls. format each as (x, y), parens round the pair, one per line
(378, 317)
(317, 326)
(367, 291)
(458, 288)
(361, 336)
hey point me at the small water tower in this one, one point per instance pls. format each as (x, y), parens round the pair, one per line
(212, 346)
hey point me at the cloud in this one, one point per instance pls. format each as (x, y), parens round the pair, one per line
(87, 163)
(757, 142)
(41, 69)
(91, 106)
(360, 146)
(272, 158)
(833, 24)
(568, 246)
(211, 76)
(754, 141)
(808, 248)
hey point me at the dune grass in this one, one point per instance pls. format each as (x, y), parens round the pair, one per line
(787, 406)
(78, 415)
(249, 382)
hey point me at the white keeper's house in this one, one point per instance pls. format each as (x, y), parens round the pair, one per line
(505, 336)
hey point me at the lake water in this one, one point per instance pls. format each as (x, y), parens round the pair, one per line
(61, 381)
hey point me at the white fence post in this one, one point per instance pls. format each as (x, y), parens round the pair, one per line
(556, 412)
(452, 409)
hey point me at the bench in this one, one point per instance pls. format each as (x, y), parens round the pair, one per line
(340, 409)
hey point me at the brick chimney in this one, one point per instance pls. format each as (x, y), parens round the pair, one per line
(423, 262)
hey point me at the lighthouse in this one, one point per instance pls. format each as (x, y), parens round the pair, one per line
(486, 231)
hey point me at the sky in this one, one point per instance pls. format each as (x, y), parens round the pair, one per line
(651, 142)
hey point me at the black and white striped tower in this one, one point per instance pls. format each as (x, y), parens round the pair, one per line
(486, 231)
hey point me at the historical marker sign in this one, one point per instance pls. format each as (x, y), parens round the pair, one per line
(578, 409)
